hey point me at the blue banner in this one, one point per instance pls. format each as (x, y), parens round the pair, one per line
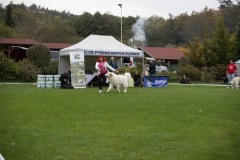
(155, 81)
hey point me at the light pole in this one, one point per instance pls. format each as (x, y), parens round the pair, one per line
(120, 5)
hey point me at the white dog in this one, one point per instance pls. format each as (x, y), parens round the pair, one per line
(128, 75)
(117, 81)
(129, 78)
(235, 81)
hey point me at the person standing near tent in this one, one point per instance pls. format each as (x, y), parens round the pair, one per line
(152, 68)
(101, 66)
(113, 64)
(231, 72)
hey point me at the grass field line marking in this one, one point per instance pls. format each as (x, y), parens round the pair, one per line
(216, 85)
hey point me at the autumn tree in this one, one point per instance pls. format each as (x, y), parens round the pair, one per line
(196, 53)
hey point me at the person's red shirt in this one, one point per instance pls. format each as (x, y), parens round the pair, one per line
(231, 68)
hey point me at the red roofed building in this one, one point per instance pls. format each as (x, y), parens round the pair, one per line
(16, 48)
(57, 46)
(170, 55)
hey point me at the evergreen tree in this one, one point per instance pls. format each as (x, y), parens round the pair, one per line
(238, 42)
(9, 19)
(220, 44)
(225, 3)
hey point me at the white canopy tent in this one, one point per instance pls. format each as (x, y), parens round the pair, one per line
(237, 62)
(93, 46)
(238, 66)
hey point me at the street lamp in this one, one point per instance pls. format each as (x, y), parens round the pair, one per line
(120, 5)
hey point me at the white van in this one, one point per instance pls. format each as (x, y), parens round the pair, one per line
(159, 67)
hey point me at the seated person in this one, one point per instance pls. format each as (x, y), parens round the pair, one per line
(225, 80)
(88, 72)
(65, 81)
(184, 80)
(137, 79)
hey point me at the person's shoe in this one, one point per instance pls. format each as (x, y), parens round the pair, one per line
(100, 91)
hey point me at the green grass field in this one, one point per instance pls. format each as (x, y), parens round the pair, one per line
(177, 122)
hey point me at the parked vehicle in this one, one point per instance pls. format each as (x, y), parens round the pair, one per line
(159, 67)
(129, 61)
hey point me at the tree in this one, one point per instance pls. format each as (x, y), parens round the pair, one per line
(58, 31)
(9, 19)
(199, 24)
(6, 31)
(8, 68)
(196, 53)
(83, 24)
(171, 31)
(39, 55)
(238, 43)
(2, 13)
(221, 43)
(154, 30)
(225, 3)
(231, 15)
(24, 21)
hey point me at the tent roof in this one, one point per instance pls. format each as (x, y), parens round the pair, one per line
(237, 62)
(103, 45)
(163, 53)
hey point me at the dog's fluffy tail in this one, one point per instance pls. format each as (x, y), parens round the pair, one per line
(128, 75)
(129, 79)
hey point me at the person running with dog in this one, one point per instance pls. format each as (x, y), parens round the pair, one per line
(231, 72)
(101, 66)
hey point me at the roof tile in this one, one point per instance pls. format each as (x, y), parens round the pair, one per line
(163, 53)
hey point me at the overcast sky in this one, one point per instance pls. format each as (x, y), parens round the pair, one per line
(142, 8)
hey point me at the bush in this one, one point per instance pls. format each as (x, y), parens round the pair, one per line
(218, 72)
(27, 71)
(191, 72)
(173, 77)
(51, 69)
(132, 70)
(39, 55)
(206, 75)
(8, 68)
(184, 61)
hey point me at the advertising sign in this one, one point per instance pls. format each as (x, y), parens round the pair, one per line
(155, 81)
(77, 69)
